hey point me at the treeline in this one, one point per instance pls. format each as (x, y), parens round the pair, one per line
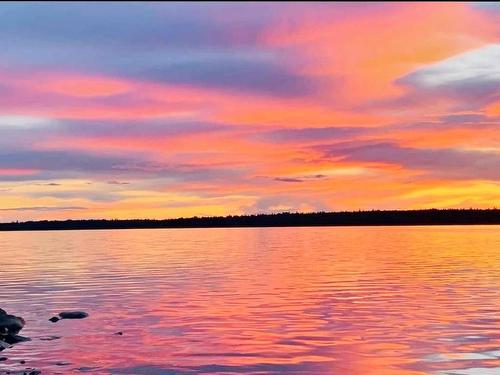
(285, 219)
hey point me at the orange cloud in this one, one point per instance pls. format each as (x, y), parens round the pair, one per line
(369, 50)
(81, 86)
(494, 109)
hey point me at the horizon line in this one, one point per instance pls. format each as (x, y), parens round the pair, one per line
(374, 217)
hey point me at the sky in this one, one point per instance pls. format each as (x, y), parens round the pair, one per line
(158, 110)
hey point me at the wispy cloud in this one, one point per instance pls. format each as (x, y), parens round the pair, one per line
(114, 182)
(45, 209)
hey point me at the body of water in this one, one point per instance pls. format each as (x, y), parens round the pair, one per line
(352, 300)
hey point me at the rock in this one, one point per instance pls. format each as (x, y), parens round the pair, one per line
(14, 339)
(10, 324)
(73, 315)
(119, 333)
(69, 315)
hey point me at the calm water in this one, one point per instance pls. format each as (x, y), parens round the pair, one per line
(379, 300)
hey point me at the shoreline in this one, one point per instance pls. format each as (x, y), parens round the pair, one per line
(429, 217)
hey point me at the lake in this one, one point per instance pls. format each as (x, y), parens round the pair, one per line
(329, 300)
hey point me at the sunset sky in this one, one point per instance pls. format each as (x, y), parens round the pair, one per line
(157, 110)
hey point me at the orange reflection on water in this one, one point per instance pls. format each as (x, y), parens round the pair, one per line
(379, 300)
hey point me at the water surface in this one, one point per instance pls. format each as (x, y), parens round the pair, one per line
(353, 300)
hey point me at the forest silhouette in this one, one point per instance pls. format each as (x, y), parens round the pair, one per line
(283, 219)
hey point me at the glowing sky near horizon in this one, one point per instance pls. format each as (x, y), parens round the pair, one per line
(153, 110)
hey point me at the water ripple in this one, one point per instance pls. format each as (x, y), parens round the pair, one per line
(380, 300)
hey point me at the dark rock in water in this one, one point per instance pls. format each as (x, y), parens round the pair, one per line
(119, 333)
(22, 362)
(10, 325)
(14, 339)
(69, 315)
(3, 359)
(73, 315)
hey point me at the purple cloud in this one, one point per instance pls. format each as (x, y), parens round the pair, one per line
(446, 162)
(472, 77)
(187, 44)
(282, 203)
(309, 134)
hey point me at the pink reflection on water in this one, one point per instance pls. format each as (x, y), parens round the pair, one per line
(409, 300)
